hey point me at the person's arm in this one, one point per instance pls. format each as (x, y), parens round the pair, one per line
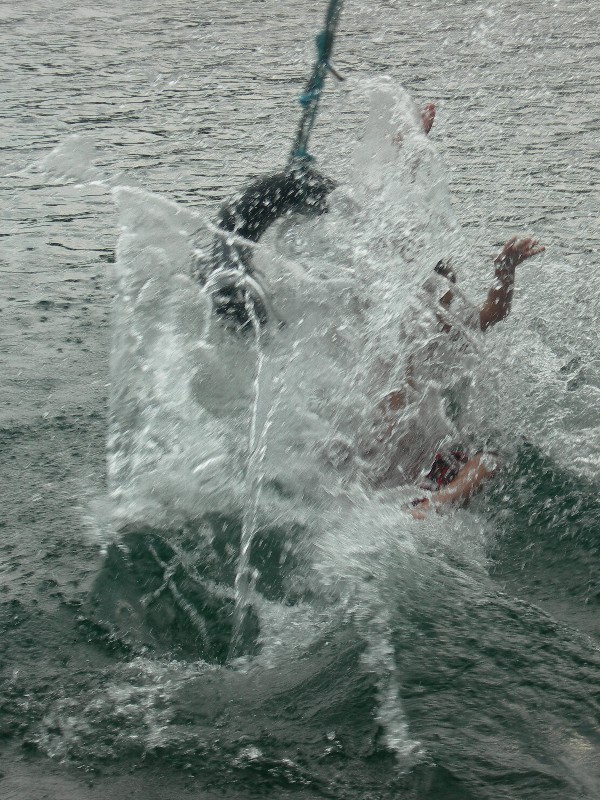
(467, 482)
(499, 299)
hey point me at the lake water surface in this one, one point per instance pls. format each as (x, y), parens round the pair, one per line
(458, 659)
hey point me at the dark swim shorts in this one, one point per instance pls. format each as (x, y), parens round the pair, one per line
(444, 469)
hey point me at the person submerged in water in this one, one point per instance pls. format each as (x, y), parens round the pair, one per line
(454, 477)
(395, 455)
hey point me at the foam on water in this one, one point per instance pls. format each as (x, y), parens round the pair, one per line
(548, 391)
(203, 421)
(276, 430)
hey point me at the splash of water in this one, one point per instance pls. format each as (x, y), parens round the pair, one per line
(355, 289)
(186, 391)
(257, 448)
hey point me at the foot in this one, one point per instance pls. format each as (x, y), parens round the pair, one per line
(428, 116)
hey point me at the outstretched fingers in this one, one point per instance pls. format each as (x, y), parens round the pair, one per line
(517, 250)
(536, 248)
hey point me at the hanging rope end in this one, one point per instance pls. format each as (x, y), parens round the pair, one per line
(334, 72)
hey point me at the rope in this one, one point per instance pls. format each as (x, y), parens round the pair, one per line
(309, 99)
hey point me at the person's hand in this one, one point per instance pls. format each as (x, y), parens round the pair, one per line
(514, 252)
(418, 508)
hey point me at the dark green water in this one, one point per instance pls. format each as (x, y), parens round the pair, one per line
(502, 694)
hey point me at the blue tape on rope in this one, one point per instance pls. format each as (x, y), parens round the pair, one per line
(307, 98)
